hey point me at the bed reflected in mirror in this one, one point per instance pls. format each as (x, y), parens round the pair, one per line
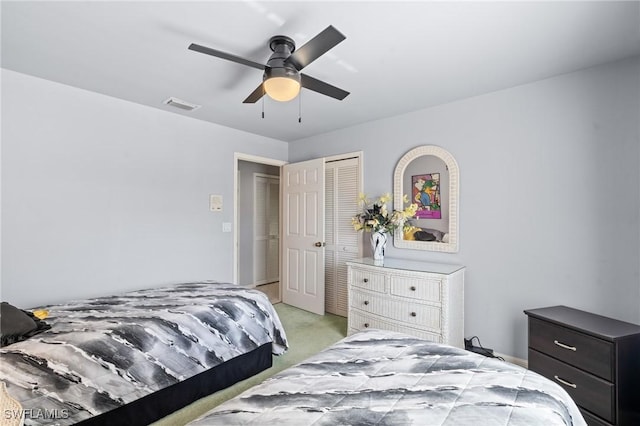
(428, 176)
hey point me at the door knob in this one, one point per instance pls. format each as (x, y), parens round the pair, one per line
(319, 244)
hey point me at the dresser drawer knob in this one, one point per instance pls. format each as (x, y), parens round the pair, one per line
(366, 302)
(564, 382)
(366, 280)
(413, 314)
(562, 345)
(366, 325)
(413, 288)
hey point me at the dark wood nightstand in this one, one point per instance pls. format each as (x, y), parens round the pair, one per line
(594, 358)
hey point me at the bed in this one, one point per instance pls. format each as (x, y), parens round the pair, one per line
(387, 378)
(136, 357)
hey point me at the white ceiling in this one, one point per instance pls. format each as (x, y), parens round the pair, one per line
(398, 56)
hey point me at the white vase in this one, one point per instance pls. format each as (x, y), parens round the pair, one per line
(378, 244)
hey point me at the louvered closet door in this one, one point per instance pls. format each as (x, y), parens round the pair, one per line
(343, 243)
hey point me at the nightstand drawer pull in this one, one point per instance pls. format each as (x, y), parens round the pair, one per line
(413, 288)
(413, 314)
(562, 345)
(366, 280)
(366, 325)
(366, 302)
(564, 382)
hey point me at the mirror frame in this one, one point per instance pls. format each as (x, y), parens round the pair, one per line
(454, 182)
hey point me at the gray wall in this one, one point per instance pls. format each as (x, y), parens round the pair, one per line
(549, 199)
(100, 195)
(246, 170)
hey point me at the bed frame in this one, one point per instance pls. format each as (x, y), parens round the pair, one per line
(159, 404)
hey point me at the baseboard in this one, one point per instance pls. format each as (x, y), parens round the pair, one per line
(518, 361)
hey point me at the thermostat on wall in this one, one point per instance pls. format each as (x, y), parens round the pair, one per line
(215, 203)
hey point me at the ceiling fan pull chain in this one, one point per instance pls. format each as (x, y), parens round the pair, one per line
(263, 107)
(300, 107)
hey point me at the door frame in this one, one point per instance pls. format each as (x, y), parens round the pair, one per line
(238, 156)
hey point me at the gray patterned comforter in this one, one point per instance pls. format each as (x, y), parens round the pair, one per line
(386, 378)
(102, 353)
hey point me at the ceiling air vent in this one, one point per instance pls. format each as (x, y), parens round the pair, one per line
(179, 103)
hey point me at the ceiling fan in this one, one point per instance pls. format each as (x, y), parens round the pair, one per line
(282, 78)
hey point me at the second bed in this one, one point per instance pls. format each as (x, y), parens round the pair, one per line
(387, 378)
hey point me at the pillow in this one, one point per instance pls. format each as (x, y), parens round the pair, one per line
(17, 325)
(426, 234)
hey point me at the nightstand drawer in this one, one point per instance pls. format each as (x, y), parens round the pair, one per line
(585, 389)
(580, 350)
(416, 288)
(592, 420)
(369, 280)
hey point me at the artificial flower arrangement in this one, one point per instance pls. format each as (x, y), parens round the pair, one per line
(375, 216)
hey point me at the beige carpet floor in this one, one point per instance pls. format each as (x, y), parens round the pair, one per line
(307, 334)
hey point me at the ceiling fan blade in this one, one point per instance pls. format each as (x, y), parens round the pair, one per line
(322, 87)
(315, 47)
(255, 96)
(227, 56)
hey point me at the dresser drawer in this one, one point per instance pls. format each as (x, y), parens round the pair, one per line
(589, 353)
(363, 321)
(370, 280)
(417, 314)
(416, 288)
(589, 391)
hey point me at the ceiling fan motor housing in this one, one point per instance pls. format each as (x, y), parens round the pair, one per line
(282, 47)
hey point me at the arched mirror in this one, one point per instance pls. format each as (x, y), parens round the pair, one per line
(428, 175)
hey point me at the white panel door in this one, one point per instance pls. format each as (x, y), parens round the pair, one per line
(303, 235)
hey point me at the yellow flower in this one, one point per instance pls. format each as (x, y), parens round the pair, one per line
(376, 216)
(385, 198)
(410, 210)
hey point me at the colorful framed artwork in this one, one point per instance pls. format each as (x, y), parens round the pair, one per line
(426, 194)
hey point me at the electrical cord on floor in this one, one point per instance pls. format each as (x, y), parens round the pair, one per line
(468, 345)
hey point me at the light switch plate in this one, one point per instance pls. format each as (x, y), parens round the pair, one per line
(215, 203)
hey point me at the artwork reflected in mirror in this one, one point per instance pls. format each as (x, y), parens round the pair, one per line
(426, 194)
(428, 176)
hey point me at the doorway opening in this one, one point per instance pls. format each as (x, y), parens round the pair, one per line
(257, 224)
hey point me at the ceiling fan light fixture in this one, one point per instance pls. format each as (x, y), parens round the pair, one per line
(282, 89)
(281, 83)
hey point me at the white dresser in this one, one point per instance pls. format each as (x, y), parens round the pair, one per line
(422, 299)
